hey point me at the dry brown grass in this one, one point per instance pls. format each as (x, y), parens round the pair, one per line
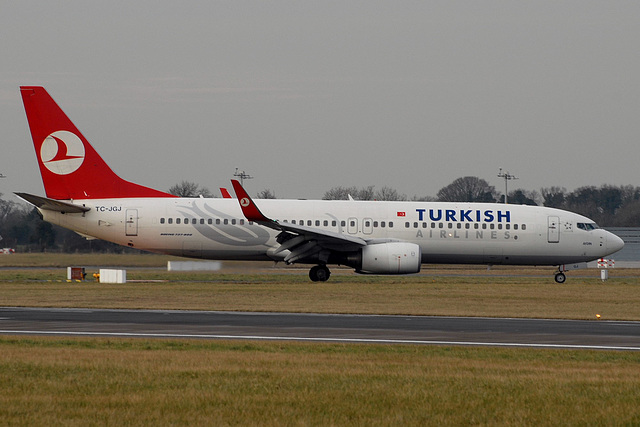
(445, 291)
(126, 382)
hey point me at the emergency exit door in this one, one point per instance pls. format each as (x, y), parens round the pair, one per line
(131, 222)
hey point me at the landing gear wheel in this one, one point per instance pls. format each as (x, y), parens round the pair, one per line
(319, 273)
(560, 278)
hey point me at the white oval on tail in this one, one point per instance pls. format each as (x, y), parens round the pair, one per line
(62, 152)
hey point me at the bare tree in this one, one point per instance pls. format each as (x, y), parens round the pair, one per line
(189, 189)
(343, 193)
(388, 193)
(338, 193)
(468, 189)
(522, 197)
(266, 194)
(6, 208)
(554, 197)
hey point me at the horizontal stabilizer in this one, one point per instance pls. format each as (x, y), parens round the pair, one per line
(52, 205)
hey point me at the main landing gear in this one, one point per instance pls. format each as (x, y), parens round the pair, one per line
(560, 277)
(319, 273)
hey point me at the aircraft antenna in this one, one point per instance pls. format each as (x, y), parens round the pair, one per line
(507, 177)
(242, 175)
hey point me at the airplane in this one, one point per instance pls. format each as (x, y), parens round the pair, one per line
(372, 237)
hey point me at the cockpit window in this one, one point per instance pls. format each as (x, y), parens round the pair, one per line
(587, 226)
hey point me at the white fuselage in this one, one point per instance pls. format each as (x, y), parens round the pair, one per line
(470, 233)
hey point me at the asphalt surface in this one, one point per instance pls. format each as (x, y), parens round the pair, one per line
(470, 331)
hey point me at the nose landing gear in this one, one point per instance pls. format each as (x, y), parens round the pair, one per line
(560, 277)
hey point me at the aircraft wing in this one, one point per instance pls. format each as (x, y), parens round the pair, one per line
(51, 204)
(302, 242)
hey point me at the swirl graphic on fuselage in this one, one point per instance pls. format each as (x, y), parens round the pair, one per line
(228, 234)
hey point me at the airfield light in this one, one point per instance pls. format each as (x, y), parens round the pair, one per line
(507, 176)
(242, 175)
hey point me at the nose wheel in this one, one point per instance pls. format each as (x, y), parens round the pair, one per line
(560, 277)
(319, 273)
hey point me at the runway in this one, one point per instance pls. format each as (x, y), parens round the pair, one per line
(467, 331)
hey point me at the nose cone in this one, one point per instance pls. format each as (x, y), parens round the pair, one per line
(614, 243)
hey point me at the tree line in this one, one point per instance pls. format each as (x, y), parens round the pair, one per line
(610, 206)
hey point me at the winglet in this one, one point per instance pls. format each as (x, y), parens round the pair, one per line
(249, 208)
(225, 193)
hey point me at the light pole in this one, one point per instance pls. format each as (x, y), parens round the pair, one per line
(242, 175)
(507, 176)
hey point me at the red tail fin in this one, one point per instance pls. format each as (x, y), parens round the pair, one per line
(70, 167)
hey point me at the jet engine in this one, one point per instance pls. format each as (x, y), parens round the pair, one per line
(388, 258)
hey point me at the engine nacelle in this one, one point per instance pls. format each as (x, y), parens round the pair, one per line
(390, 258)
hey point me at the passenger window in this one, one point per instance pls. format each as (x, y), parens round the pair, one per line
(161, 220)
(226, 221)
(210, 221)
(201, 220)
(170, 220)
(415, 225)
(459, 225)
(375, 224)
(343, 223)
(217, 221)
(406, 224)
(309, 223)
(326, 223)
(334, 223)
(450, 225)
(524, 227)
(233, 221)
(178, 220)
(242, 222)
(390, 224)
(484, 226)
(383, 224)
(194, 221)
(515, 226)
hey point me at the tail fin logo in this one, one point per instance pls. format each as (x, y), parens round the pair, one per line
(62, 152)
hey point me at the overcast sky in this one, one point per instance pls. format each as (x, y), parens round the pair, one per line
(308, 95)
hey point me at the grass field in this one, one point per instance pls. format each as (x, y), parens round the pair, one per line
(442, 291)
(140, 382)
(84, 381)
